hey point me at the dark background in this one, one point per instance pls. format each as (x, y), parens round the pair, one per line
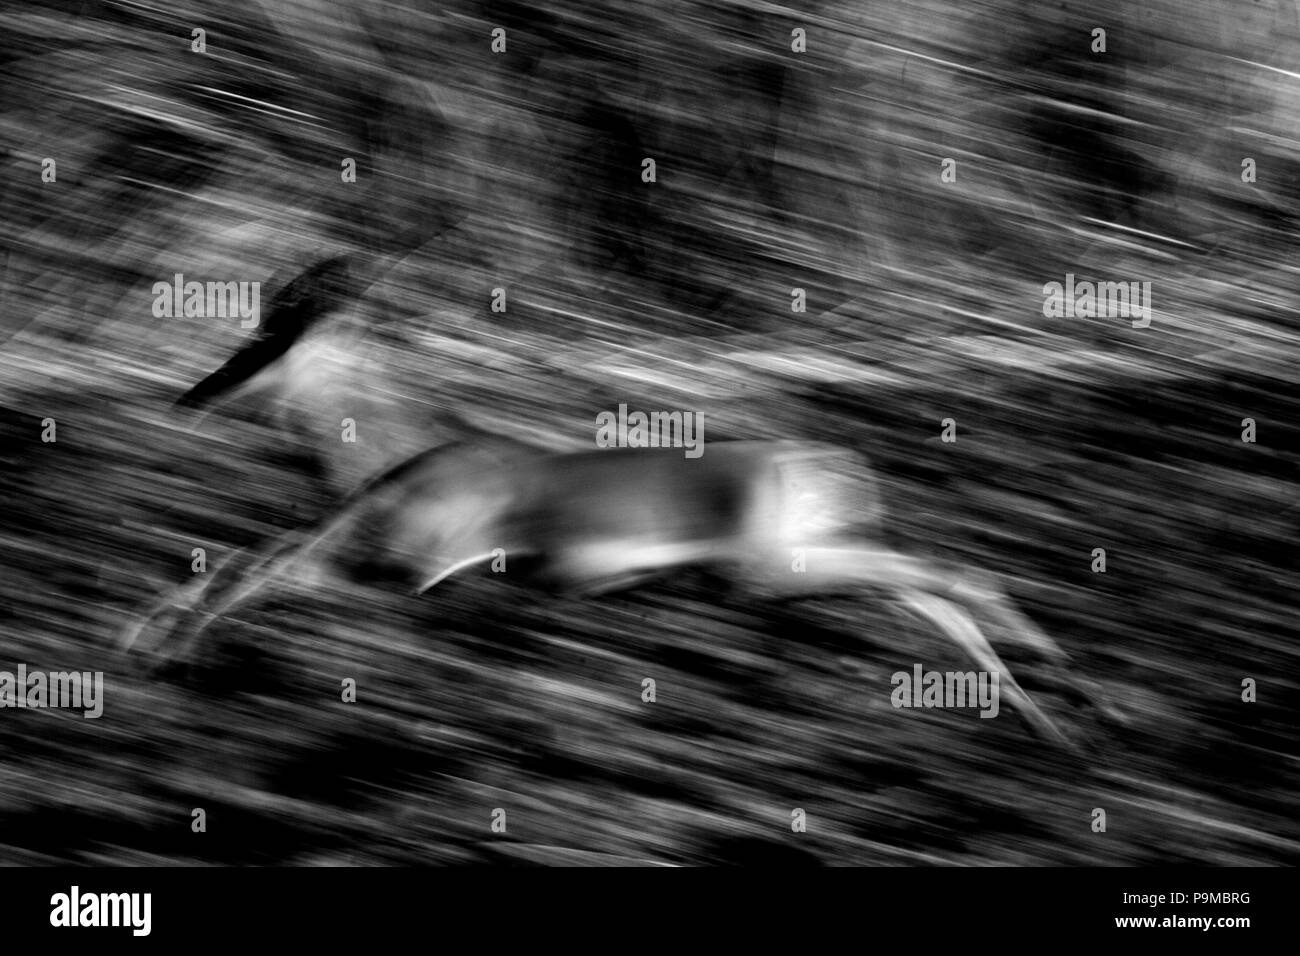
(775, 170)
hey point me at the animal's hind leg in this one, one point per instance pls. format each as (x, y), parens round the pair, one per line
(1014, 627)
(940, 594)
(964, 632)
(829, 569)
(980, 589)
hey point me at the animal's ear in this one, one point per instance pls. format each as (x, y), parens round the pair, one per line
(314, 293)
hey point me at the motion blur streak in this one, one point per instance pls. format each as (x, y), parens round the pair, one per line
(846, 239)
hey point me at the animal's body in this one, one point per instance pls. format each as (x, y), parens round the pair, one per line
(785, 519)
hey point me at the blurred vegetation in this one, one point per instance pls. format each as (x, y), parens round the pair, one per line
(818, 170)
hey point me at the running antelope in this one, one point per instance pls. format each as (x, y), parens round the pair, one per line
(595, 521)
